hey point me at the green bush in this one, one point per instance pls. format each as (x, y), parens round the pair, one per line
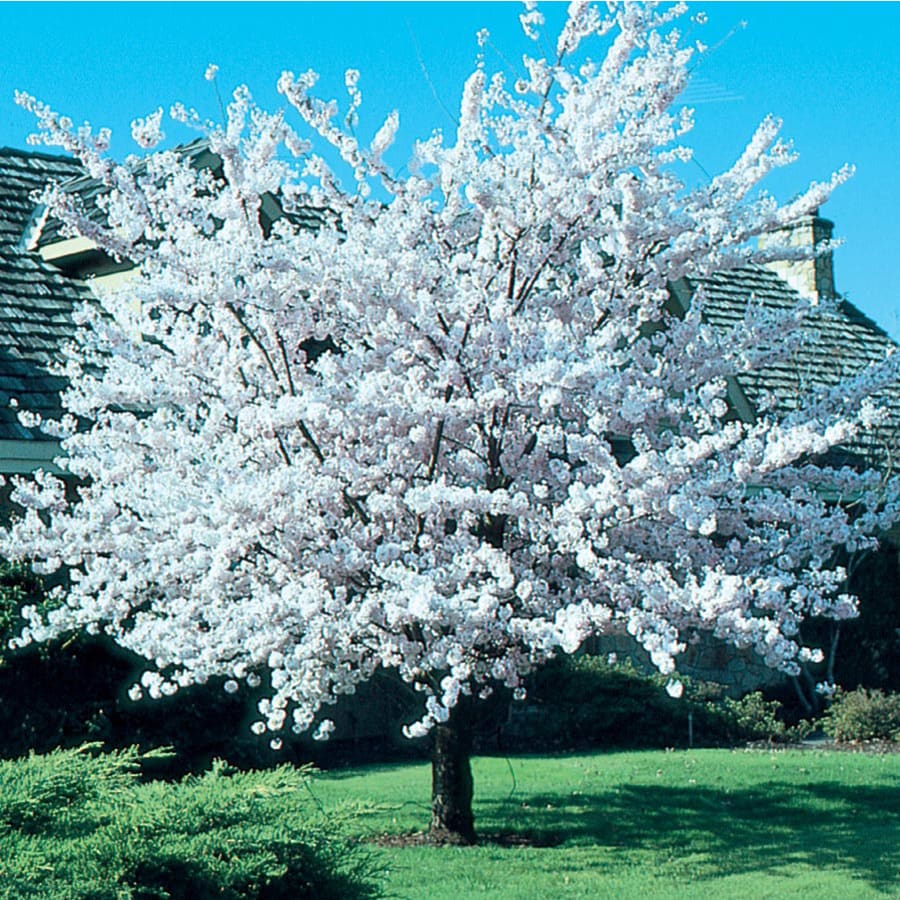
(18, 586)
(751, 718)
(863, 715)
(72, 690)
(586, 701)
(79, 825)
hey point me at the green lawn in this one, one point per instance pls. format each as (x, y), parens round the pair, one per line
(695, 824)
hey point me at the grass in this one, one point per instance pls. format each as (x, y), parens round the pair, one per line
(687, 824)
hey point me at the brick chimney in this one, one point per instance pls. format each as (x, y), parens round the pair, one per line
(811, 278)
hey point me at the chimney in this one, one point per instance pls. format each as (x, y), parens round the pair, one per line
(811, 278)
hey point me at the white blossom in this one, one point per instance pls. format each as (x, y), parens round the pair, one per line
(452, 432)
(147, 132)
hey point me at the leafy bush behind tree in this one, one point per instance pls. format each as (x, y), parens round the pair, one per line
(588, 702)
(78, 825)
(863, 715)
(72, 690)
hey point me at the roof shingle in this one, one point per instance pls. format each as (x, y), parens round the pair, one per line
(36, 300)
(838, 342)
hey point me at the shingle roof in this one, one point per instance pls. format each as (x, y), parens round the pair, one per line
(36, 300)
(197, 152)
(88, 189)
(21, 174)
(36, 303)
(838, 342)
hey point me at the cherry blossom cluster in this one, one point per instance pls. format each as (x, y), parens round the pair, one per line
(458, 426)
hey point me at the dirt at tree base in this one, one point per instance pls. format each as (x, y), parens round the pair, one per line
(447, 839)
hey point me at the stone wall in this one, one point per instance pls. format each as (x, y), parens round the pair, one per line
(738, 671)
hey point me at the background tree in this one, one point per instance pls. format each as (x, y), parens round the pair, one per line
(515, 440)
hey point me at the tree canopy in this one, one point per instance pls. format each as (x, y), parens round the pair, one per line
(459, 425)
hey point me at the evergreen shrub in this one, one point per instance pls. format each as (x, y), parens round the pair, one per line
(79, 825)
(751, 718)
(585, 701)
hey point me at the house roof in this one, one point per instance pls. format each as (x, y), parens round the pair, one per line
(36, 300)
(838, 341)
(88, 190)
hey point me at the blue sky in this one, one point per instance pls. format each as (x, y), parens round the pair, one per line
(829, 70)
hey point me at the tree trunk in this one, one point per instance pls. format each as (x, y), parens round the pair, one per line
(451, 779)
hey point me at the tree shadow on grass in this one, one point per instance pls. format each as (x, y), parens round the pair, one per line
(823, 824)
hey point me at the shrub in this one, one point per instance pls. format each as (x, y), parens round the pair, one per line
(78, 825)
(868, 654)
(71, 691)
(751, 718)
(18, 586)
(61, 792)
(863, 715)
(588, 702)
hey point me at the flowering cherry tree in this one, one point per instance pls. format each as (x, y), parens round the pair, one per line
(457, 425)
